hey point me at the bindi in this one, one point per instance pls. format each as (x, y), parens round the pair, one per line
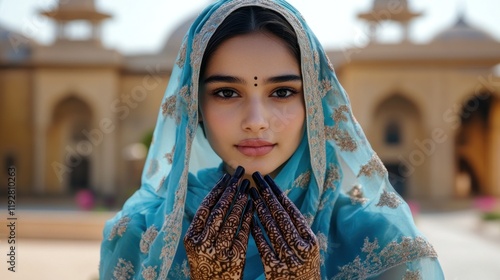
(255, 78)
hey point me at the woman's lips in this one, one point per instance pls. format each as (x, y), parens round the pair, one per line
(255, 147)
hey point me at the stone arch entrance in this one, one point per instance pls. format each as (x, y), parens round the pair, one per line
(397, 124)
(70, 119)
(477, 149)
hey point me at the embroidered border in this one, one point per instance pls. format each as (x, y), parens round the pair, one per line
(119, 228)
(391, 255)
(389, 199)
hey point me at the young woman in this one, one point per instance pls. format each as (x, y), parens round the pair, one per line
(252, 93)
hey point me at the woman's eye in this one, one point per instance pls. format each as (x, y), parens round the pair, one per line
(226, 93)
(283, 93)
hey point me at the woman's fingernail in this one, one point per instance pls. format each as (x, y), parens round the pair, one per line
(244, 186)
(239, 172)
(273, 185)
(259, 181)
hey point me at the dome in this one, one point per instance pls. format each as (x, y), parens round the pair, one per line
(462, 31)
(174, 41)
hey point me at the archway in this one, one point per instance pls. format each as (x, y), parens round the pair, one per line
(396, 125)
(71, 118)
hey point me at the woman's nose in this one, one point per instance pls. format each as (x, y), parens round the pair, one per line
(255, 118)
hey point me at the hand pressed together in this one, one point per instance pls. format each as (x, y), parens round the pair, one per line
(294, 250)
(217, 239)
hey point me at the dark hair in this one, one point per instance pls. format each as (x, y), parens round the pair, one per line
(251, 19)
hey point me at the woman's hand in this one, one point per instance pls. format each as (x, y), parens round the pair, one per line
(216, 241)
(294, 250)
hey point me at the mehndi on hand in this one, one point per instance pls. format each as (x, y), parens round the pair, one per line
(217, 239)
(294, 249)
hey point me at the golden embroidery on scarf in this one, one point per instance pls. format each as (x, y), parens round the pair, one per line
(330, 65)
(323, 246)
(149, 273)
(356, 195)
(181, 271)
(412, 275)
(373, 166)
(182, 54)
(325, 87)
(123, 270)
(332, 176)
(168, 107)
(341, 137)
(389, 199)
(303, 180)
(309, 218)
(171, 225)
(338, 115)
(170, 156)
(119, 228)
(147, 239)
(316, 58)
(373, 262)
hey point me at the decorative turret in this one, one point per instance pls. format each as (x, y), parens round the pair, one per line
(69, 11)
(389, 10)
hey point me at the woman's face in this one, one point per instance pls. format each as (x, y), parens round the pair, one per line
(251, 102)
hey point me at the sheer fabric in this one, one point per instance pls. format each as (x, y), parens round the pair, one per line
(365, 229)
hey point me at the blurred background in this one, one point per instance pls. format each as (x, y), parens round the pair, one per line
(81, 83)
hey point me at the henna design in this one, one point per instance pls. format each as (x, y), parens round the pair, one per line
(217, 239)
(294, 249)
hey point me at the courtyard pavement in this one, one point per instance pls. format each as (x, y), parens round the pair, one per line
(468, 250)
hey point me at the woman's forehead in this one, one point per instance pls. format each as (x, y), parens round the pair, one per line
(252, 55)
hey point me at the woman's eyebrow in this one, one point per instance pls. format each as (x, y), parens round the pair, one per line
(282, 79)
(224, 79)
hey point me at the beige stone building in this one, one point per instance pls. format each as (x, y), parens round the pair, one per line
(73, 114)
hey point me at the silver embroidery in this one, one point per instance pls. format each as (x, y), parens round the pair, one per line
(338, 115)
(389, 199)
(170, 156)
(119, 228)
(373, 262)
(412, 275)
(149, 273)
(168, 107)
(309, 218)
(147, 239)
(341, 137)
(330, 65)
(181, 271)
(123, 270)
(325, 87)
(373, 166)
(182, 54)
(357, 196)
(332, 176)
(323, 245)
(303, 180)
